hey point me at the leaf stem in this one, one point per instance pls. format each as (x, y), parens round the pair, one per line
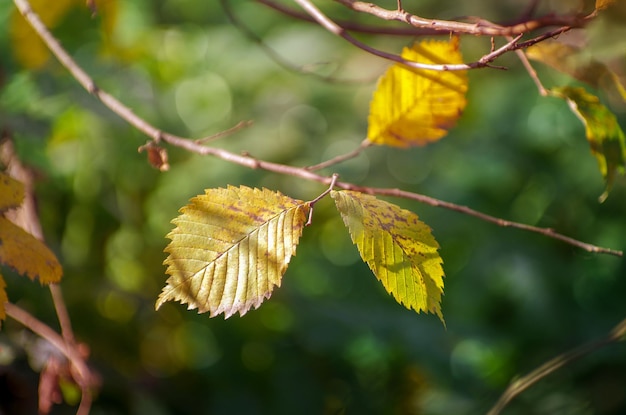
(333, 181)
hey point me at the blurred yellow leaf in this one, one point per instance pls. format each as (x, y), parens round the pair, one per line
(603, 4)
(11, 192)
(230, 248)
(29, 49)
(414, 107)
(577, 63)
(398, 247)
(27, 254)
(604, 134)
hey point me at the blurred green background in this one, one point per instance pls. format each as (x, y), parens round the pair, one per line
(330, 340)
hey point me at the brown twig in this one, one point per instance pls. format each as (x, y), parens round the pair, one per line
(84, 378)
(520, 385)
(341, 158)
(354, 26)
(245, 160)
(480, 29)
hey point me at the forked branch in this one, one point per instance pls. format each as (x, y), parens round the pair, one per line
(245, 160)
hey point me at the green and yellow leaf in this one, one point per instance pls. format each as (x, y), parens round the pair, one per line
(11, 192)
(576, 63)
(230, 247)
(604, 134)
(398, 247)
(26, 254)
(413, 107)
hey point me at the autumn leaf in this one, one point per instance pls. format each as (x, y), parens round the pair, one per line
(19, 249)
(603, 4)
(414, 107)
(26, 254)
(230, 248)
(604, 134)
(576, 63)
(398, 247)
(11, 192)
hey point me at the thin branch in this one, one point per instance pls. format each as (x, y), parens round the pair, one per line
(275, 56)
(84, 378)
(353, 26)
(244, 160)
(481, 28)
(531, 72)
(342, 157)
(337, 30)
(520, 385)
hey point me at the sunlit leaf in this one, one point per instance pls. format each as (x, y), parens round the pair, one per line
(577, 63)
(230, 248)
(414, 107)
(398, 247)
(604, 134)
(27, 254)
(11, 192)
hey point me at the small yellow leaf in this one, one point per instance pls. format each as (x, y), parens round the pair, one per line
(29, 49)
(230, 248)
(398, 247)
(414, 107)
(11, 192)
(27, 254)
(605, 136)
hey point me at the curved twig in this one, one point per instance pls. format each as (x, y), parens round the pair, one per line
(85, 378)
(245, 160)
(520, 385)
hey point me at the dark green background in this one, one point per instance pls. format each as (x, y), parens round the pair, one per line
(330, 340)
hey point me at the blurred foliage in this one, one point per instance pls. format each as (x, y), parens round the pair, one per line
(330, 340)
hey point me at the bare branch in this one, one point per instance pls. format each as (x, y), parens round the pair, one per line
(481, 28)
(245, 160)
(353, 26)
(342, 157)
(85, 378)
(520, 385)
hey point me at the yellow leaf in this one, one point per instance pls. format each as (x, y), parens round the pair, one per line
(230, 248)
(414, 107)
(27, 254)
(29, 49)
(603, 4)
(398, 247)
(11, 192)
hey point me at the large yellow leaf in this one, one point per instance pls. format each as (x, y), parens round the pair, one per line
(11, 192)
(27, 254)
(606, 137)
(230, 248)
(414, 107)
(398, 247)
